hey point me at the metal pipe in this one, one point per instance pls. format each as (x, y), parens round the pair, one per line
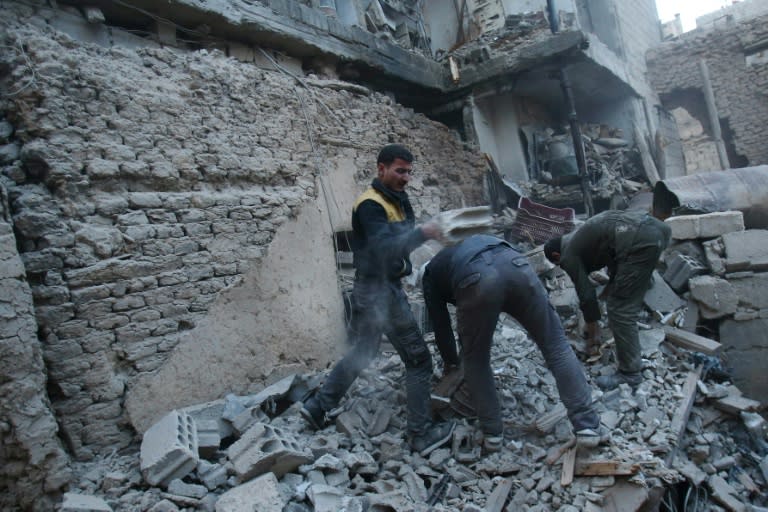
(714, 118)
(744, 189)
(554, 23)
(578, 142)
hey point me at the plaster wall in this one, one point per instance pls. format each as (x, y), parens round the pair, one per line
(497, 126)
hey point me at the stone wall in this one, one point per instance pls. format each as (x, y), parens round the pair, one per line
(740, 84)
(33, 461)
(174, 214)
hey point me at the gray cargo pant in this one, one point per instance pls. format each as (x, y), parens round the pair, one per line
(380, 306)
(629, 282)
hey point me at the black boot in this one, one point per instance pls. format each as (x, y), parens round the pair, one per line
(608, 382)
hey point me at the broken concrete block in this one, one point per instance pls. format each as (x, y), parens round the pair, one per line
(680, 268)
(325, 498)
(660, 297)
(262, 494)
(349, 422)
(380, 420)
(265, 448)
(746, 250)
(182, 488)
(714, 250)
(208, 437)
(361, 463)
(724, 494)
(169, 449)
(565, 301)
(212, 475)
(708, 225)
(650, 339)
(83, 503)
(461, 223)
(715, 296)
(624, 497)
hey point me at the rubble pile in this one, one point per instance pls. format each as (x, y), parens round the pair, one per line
(614, 169)
(518, 30)
(682, 434)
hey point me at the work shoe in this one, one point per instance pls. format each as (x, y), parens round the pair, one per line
(591, 437)
(434, 437)
(492, 444)
(608, 382)
(314, 414)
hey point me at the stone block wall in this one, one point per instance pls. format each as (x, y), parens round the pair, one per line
(151, 186)
(34, 466)
(740, 85)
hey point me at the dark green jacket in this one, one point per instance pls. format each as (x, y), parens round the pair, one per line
(603, 241)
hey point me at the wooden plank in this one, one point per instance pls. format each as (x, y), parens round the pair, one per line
(569, 464)
(691, 341)
(605, 468)
(498, 497)
(683, 411)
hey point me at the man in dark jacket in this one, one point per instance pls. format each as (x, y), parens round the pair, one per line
(384, 234)
(483, 276)
(629, 243)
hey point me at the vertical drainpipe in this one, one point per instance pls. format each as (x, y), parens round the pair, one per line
(573, 121)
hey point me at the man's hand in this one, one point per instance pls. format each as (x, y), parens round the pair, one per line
(592, 336)
(432, 230)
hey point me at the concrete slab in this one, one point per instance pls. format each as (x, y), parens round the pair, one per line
(715, 296)
(464, 222)
(680, 268)
(745, 345)
(746, 250)
(261, 494)
(660, 297)
(709, 225)
(169, 449)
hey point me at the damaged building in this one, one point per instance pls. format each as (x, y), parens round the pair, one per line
(177, 180)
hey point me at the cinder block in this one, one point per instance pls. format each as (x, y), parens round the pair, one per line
(714, 250)
(680, 269)
(262, 494)
(169, 449)
(265, 448)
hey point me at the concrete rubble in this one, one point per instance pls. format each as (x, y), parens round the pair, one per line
(689, 431)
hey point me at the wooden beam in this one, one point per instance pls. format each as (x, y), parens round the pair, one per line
(691, 341)
(499, 495)
(569, 464)
(605, 468)
(683, 411)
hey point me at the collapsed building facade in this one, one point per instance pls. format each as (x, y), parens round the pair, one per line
(178, 177)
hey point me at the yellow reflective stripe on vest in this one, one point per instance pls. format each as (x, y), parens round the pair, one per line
(394, 213)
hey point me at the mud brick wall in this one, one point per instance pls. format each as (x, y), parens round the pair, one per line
(740, 83)
(145, 183)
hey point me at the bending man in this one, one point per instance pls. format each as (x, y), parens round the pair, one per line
(629, 244)
(484, 276)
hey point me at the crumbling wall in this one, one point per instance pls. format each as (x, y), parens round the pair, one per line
(34, 466)
(169, 205)
(740, 84)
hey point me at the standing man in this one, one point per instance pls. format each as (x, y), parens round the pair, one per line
(483, 276)
(383, 237)
(629, 243)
